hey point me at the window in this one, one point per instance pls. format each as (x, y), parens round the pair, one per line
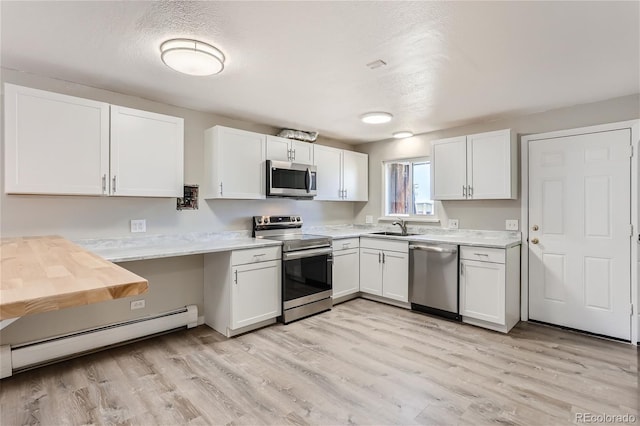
(407, 188)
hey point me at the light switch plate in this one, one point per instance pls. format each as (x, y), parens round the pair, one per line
(511, 225)
(368, 219)
(138, 225)
(453, 223)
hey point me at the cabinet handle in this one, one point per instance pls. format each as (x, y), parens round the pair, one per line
(379, 257)
(481, 254)
(293, 155)
(470, 191)
(113, 184)
(345, 193)
(104, 183)
(345, 245)
(383, 258)
(464, 191)
(220, 188)
(288, 155)
(235, 280)
(462, 269)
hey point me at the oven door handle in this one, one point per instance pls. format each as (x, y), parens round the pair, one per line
(306, 253)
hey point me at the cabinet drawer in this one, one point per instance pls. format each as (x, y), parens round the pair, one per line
(241, 257)
(384, 244)
(346, 244)
(482, 254)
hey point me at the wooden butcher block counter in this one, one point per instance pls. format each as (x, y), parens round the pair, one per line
(40, 274)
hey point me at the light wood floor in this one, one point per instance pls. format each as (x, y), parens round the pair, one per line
(361, 363)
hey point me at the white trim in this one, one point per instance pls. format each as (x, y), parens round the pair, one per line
(432, 218)
(634, 125)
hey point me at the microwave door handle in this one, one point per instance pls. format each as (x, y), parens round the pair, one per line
(307, 180)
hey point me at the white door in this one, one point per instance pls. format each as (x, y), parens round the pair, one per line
(371, 271)
(449, 169)
(328, 160)
(355, 172)
(482, 290)
(395, 276)
(278, 148)
(55, 144)
(147, 153)
(579, 237)
(346, 272)
(255, 294)
(489, 165)
(240, 158)
(302, 152)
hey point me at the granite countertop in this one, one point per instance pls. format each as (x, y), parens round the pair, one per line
(477, 238)
(128, 249)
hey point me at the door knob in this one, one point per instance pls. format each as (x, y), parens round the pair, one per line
(534, 241)
(535, 228)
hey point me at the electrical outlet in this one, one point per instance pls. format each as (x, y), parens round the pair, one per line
(138, 225)
(511, 225)
(453, 223)
(138, 304)
(368, 219)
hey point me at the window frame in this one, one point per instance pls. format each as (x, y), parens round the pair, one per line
(383, 204)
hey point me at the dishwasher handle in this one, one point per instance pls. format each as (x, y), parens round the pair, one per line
(432, 249)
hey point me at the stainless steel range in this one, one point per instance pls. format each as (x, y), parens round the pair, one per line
(306, 266)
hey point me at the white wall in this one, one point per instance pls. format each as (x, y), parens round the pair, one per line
(491, 214)
(85, 217)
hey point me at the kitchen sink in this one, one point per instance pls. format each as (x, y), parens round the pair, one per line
(397, 234)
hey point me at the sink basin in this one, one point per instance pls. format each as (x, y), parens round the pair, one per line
(396, 234)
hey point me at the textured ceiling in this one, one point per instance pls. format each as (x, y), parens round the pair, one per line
(303, 64)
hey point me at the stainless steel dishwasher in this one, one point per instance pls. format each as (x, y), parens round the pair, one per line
(433, 279)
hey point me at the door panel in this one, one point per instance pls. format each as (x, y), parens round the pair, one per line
(449, 169)
(579, 274)
(371, 271)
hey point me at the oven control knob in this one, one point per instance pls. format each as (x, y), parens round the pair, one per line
(299, 219)
(292, 219)
(266, 220)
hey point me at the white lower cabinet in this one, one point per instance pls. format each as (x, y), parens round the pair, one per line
(242, 289)
(384, 268)
(346, 268)
(490, 287)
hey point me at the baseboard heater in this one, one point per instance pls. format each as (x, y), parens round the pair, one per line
(34, 354)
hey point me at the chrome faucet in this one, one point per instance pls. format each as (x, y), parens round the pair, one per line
(401, 223)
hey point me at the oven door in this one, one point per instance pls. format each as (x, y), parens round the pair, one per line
(290, 179)
(306, 276)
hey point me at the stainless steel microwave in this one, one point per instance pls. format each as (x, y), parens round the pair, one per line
(286, 179)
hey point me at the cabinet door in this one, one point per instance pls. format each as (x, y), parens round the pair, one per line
(482, 291)
(449, 169)
(491, 165)
(371, 271)
(278, 148)
(395, 277)
(328, 160)
(55, 144)
(355, 172)
(147, 153)
(302, 152)
(255, 293)
(234, 163)
(346, 272)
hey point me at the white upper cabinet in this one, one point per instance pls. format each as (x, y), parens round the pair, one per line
(328, 160)
(449, 168)
(55, 144)
(342, 175)
(283, 149)
(479, 167)
(58, 144)
(146, 153)
(234, 163)
(355, 176)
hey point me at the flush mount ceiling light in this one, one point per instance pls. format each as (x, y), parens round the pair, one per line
(403, 134)
(192, 57)
(376, 117)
